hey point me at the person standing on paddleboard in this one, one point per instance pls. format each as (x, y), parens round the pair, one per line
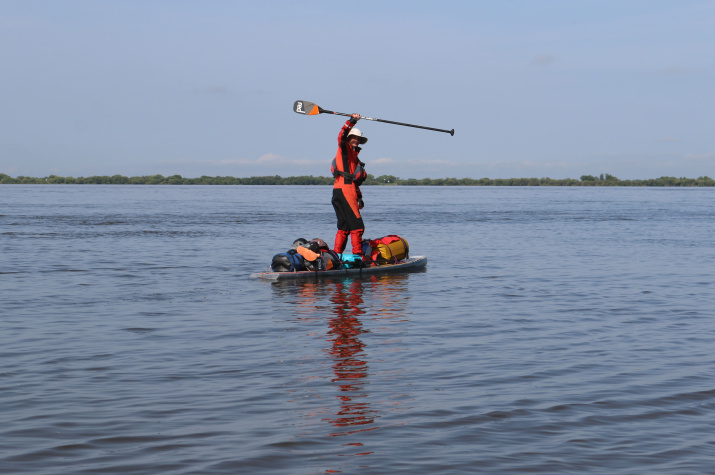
(349, 173)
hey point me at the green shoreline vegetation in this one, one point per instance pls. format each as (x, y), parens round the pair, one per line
(585, 180)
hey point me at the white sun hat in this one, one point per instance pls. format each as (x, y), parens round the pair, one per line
(357, 132)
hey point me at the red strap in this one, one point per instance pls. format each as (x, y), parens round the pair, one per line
(388, 239)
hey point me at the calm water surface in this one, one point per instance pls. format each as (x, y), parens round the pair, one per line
(555, 330)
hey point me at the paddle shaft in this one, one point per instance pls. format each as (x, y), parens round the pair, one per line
(450, 132)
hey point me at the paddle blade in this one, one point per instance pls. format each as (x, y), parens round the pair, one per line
(306, 108)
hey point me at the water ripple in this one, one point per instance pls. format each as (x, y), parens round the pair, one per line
(553, 331)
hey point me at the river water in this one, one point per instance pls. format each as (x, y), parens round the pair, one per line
(554, 330)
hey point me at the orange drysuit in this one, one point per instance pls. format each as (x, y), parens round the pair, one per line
(347, 199)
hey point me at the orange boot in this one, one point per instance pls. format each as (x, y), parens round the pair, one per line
(356, 240)
(341, 238)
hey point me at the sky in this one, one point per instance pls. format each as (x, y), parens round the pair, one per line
(549, 88)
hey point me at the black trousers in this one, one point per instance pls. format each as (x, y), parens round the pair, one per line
(347, 220)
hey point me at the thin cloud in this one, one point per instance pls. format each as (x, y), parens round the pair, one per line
(525, 165)
(700, 156)
(412, 161)
(266, 159)
(382, 161)
(216, 90)
(678, 71)
(543, 60)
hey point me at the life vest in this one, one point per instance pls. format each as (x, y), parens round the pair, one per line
(357, 177)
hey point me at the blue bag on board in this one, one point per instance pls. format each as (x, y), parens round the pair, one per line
(351, 261)
(289, 261)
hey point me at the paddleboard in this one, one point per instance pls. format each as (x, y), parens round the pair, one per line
(408, 265)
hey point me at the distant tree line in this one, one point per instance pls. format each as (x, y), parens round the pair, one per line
(585, 180)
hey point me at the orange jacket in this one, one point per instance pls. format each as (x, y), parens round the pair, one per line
(346, 162)
(347, 167)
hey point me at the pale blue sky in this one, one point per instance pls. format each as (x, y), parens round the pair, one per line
(550, 88)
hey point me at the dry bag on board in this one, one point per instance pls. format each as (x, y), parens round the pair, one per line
(351, 261)
(289, 261)
(330, 259)
(388, 249)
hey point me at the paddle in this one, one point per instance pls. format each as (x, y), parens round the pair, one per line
(308, 108)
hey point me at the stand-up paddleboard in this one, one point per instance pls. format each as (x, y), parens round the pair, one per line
(408, 265)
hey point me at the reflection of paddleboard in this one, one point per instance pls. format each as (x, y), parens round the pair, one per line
(408, 265)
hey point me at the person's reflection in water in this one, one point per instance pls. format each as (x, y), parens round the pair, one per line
(347, 351)
(348, 304)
